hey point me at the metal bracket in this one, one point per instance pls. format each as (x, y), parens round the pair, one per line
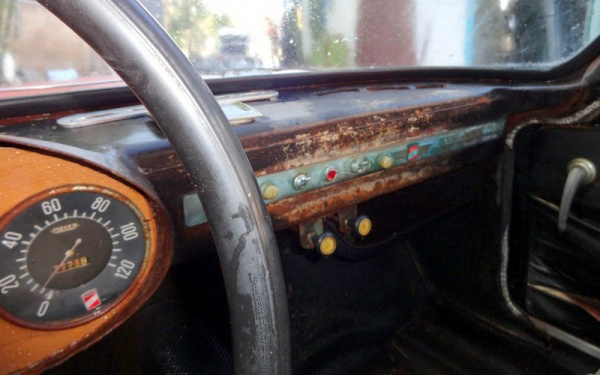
(309, 229)
(343, 216)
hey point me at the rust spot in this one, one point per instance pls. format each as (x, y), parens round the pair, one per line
(54, 115)
(384, 88)
(568, 106)
(430, 86)
(308, 144)
(329, 92)
(33, 118)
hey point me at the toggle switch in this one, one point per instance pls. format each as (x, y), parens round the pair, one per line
(300, 181)
(360, 166)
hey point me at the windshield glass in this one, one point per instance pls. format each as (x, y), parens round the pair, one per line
(225, 38)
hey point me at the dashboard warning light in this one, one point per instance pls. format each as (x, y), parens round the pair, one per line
(91, 299)
(331, 174)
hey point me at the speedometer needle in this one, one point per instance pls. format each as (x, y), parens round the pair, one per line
(69, 253)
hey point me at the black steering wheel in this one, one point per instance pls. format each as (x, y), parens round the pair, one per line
(156, 70)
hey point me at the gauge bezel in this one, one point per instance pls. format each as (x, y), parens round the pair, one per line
(46, 194)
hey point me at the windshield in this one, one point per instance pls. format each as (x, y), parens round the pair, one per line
(225, 38)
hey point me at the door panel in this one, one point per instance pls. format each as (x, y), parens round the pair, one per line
(559, 272)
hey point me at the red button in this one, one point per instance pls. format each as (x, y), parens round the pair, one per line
(331, 174)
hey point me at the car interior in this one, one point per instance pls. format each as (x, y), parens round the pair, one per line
(386, 220)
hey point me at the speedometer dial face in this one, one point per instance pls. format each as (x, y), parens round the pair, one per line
(68, 257)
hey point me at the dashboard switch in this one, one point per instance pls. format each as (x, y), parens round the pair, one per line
(362, 225)
(269, 191)
(300, 181)
(325, 243)
(385, 161)
(360, 166)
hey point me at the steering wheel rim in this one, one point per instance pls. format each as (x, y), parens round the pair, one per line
(155, 69)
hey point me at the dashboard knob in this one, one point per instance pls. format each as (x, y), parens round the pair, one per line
(361, 225)
(269, 191)
(325, 243)
(386, 162)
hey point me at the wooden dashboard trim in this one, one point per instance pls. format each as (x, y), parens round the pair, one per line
(32, 173)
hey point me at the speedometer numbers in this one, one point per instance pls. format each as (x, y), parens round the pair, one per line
(69, 256)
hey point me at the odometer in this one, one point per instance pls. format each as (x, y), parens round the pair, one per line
(69, 256)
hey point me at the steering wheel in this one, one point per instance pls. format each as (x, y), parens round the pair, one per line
(148, 60)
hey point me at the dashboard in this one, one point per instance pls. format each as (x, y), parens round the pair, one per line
(92, 217)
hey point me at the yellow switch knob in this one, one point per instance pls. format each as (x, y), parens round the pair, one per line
(325, 243)
(269, 191)
(386, 162)
(363, 225)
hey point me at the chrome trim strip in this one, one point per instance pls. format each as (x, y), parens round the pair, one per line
(566, 338)
(514, 309)
(101, 117)
(245, 97)
(233, 105)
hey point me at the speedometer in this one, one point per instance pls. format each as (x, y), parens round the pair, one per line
(69, 255)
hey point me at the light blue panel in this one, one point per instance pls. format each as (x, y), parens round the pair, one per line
(440, 144)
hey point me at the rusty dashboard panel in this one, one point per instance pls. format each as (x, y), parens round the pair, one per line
(296, 181)
(313, 151)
